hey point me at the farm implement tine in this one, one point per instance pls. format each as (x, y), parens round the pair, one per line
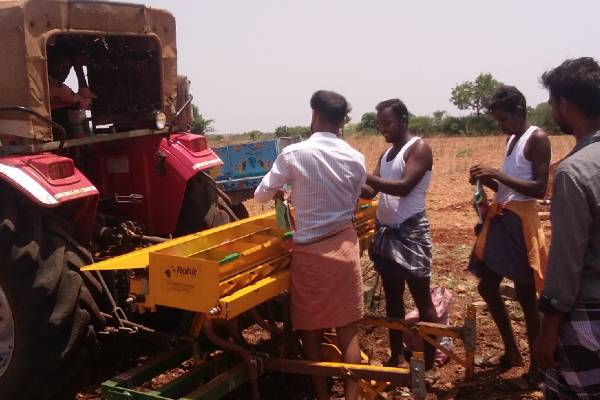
(470, 340)
(235, 349)
(208, 379)
(220, 385)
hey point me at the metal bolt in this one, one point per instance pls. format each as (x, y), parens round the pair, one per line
(214, 311)
(130, 300)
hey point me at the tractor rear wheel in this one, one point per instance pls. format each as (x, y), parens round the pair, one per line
(204, 208)
(48, 315)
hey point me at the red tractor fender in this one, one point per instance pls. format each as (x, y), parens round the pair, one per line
(53, 181)
(189, 154)
(186, 155)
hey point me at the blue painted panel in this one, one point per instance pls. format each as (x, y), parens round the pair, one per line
(245, 164)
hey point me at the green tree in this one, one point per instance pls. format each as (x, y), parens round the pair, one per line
(291, 131)
(254, 135)
(472, 95)
(438, 120)
(453, 125)
(541, 116)
(299, 130)
(199, 123)
(476, 125)
(281, 131)
(368, 121)
(421, 124)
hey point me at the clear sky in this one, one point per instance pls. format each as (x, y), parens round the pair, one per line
(254, 64)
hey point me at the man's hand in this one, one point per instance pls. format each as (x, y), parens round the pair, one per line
(483, 172)
(485, 175)
(367, 192)
(545, 344)
(280, 194)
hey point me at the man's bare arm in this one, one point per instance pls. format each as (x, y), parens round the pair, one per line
(367, 191)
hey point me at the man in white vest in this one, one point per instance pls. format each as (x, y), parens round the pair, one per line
(511, 243)
(401, 248)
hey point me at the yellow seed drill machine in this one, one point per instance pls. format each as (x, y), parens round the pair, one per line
(241, 271)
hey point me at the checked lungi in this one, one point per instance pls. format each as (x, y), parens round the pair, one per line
(405, 250)
(578, 354)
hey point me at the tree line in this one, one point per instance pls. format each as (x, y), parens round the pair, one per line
(469, 96)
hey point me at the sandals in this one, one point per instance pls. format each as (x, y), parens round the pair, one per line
(496, 361)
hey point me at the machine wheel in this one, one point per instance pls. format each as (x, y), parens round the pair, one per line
(240, 210)
(203, 208)
(48, 315)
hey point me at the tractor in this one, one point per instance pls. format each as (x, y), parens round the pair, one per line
(82, 184)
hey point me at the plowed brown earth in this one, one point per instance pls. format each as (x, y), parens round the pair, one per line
(452, 220)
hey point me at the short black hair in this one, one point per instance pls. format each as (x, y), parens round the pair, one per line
(577, 80)
(331, 106)
(398, 109)
(507, 98)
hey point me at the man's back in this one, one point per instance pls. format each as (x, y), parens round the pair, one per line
(326, 176)
(583, 169)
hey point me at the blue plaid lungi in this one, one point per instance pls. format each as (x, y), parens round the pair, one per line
(578, 354)
(403, 250)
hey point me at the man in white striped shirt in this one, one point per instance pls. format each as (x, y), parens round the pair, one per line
(326, 176)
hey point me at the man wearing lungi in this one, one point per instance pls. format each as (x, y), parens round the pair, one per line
(568, 345)
(401, 248)
(511, 243)
(326, 176)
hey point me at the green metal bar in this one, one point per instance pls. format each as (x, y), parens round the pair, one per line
(221, 385)
(191, 379)
(122, 387)
(117, 393)
(138, 375)
(229, 257)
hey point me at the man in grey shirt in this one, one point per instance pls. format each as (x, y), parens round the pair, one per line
(568, 344)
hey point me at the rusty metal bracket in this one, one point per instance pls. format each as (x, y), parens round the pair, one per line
(428, 331)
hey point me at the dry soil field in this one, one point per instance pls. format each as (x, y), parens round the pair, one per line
(452, 221)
